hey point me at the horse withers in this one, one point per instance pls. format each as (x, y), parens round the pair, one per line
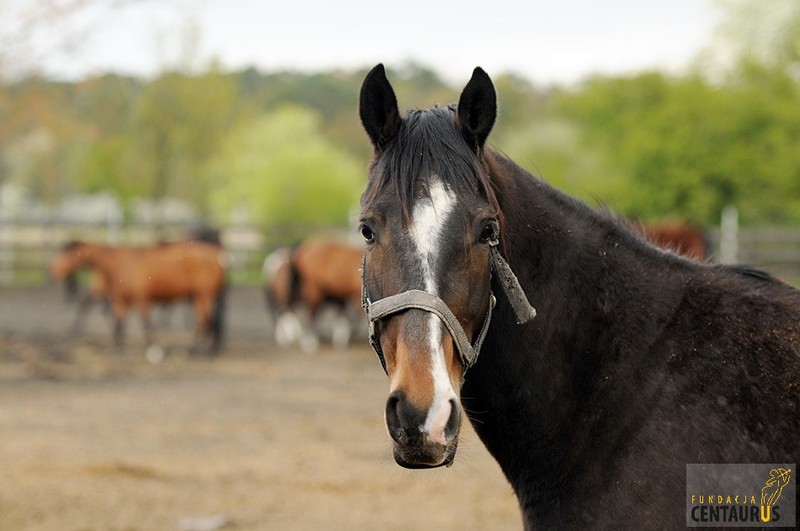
(634, 363)
(164, 273)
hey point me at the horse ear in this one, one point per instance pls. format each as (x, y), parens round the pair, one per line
(477, 109)
(378, 108)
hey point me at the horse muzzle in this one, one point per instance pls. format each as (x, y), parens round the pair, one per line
(414, 458)
(419, 443)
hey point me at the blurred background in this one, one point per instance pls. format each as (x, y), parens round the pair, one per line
(137, 116)
(132, 122)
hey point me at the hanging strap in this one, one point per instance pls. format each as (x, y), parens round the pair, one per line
(508, 280)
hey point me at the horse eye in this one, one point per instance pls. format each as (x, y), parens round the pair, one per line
(488, 233)
(367, 233)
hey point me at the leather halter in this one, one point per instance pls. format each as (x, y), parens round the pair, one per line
(429, 302)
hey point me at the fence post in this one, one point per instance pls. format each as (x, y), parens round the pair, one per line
(729, 235)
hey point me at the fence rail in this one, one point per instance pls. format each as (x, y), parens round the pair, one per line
(775, 249)
(27, 249)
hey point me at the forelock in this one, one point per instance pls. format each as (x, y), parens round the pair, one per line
(428, 143)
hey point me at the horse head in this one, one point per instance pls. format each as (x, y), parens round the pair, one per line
(431, 225)
(65, 266)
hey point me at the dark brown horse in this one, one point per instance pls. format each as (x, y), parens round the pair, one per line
(164, 273)
(319, 271)
(636, 363)
(681, 238)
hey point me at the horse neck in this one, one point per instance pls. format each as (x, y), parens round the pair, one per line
(592, 282)
(100, 257)
(581, 266)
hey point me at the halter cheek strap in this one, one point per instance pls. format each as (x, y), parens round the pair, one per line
(423, 300)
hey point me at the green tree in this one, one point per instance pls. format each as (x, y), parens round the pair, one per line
(103, 168)
(282, 170)
(178, 125)
(685, 147)
(38, 135)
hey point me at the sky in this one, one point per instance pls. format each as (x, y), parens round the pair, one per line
(552, 41)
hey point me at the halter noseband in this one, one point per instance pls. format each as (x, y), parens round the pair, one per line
(422, 300)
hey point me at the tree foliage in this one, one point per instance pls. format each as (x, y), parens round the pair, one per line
(178, 124)
(687, 146)
(280, 169)
(288, 146)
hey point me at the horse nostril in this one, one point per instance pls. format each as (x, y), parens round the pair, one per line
(391, 407)
(393, 422)
(410, 425)
(453, 425)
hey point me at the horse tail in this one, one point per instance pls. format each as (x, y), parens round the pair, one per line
(294, 293)
(296, 280)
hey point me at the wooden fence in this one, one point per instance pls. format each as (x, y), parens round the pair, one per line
(27, 249)
(775, 249)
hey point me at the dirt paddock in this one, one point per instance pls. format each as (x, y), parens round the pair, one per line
(259, 438)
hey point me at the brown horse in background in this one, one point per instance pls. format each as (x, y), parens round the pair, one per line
(328, 271)
(96, 292)
(167, 272)
(680, 238)
(319, 271)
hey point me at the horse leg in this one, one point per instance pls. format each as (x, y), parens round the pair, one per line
(153, 351)
(342, 330)
(202, 312)
(119, 332)
(351, 321)
(312, 299)
(216, 325)
(288, 328)
(120, 310)
(359, 324)
(147, 322)
(84, 305)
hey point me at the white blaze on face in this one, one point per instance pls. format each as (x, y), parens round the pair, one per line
(429, 220)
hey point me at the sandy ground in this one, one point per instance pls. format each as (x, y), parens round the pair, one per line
(259, 438)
